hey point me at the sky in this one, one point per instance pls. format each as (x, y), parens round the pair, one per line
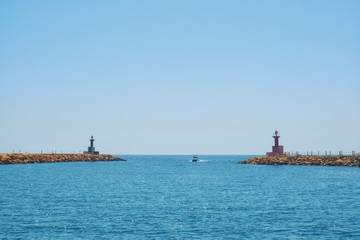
(179, 77)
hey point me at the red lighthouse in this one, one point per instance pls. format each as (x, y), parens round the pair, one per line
(276, 149)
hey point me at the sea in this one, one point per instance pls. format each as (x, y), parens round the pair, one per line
(170, 197)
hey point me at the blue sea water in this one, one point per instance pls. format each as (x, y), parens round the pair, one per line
(169, 197)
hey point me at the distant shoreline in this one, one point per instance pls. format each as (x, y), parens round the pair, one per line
(350, 161)
(27, 158)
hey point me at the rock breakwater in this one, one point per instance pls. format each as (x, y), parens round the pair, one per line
(17, 158)
(351, 161)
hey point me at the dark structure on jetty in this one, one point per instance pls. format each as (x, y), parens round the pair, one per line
(276, 149)
(91, 149)
(89, 156)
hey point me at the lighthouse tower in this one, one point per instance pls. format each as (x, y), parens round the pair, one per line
(276, 149)
(91, 149)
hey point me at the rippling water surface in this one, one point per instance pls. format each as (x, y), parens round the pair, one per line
(168, 197)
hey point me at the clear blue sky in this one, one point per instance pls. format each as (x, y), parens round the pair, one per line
(179, 77)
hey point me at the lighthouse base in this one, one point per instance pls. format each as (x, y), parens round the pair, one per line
(276, 151)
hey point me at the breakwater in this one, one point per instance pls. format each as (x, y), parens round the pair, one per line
(351, 161)
(17, 158)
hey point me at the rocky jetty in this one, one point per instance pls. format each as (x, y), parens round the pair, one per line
(351, 161)
(17, 158)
